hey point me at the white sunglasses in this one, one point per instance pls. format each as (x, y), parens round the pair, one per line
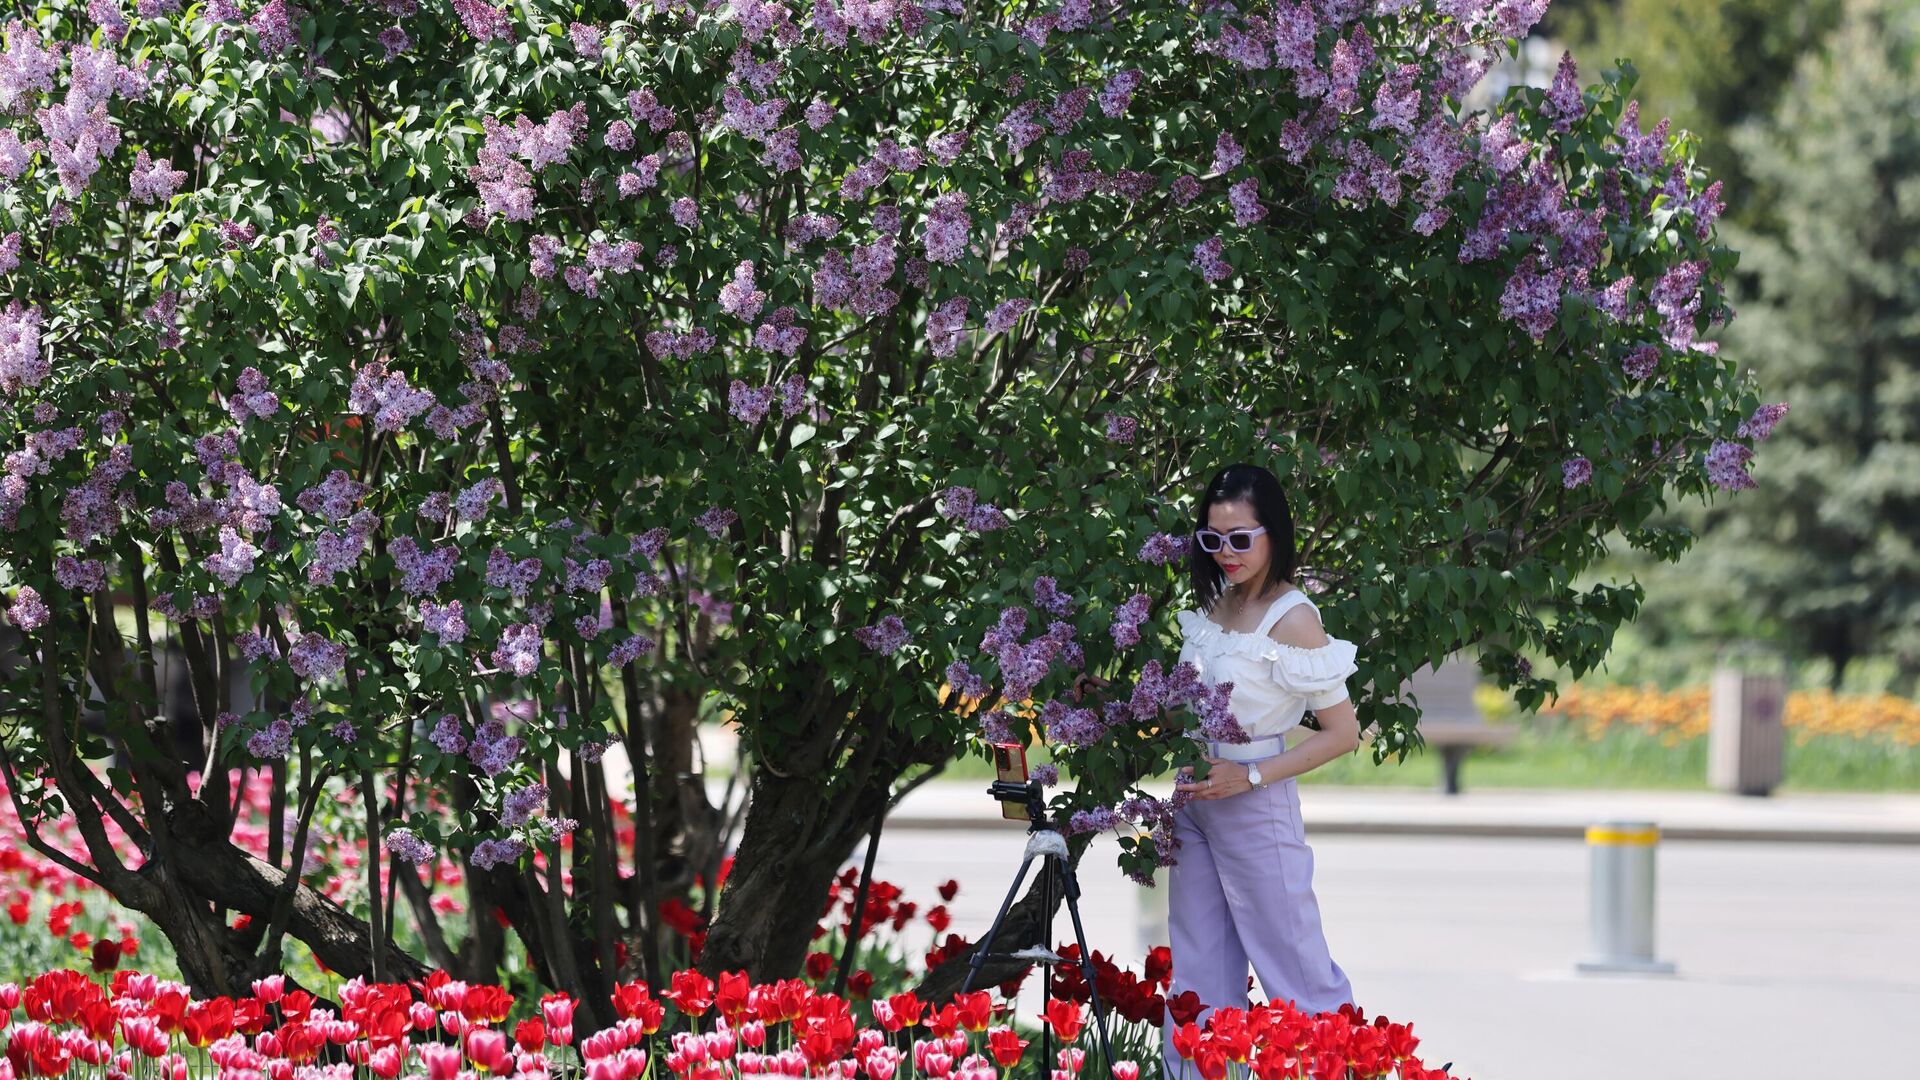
(1237, 539)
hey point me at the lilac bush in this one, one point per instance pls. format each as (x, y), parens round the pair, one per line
(454, 387)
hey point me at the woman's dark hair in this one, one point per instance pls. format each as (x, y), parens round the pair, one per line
(1259, 488)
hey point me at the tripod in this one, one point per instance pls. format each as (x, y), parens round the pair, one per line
(1044, 838)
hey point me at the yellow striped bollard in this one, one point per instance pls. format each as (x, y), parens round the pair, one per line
(1620, 895)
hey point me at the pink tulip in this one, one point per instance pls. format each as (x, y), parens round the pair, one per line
(881, 1062)
(442, 1061)
(487, 1049)
(386, 1062)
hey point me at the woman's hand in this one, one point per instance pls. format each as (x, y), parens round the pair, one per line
(1086, 684)
(1224, 780)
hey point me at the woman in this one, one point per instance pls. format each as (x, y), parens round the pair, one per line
(1242, 889)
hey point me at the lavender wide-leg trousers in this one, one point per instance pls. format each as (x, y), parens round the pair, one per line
(1242, 890)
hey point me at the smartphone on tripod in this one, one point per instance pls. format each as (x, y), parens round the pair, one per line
(1010, 766)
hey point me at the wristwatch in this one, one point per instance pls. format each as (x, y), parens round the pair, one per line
(1253, 774)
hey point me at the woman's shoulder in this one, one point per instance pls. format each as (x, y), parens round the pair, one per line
(1296, 621)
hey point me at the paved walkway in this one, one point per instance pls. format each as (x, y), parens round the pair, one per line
(1794, 960)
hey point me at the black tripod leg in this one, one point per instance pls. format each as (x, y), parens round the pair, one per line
(1046, 970)
(1086, 964)
(986, 943)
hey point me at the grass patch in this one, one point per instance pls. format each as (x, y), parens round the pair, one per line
(1547, 755)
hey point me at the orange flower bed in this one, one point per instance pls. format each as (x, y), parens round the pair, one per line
(1674, 716)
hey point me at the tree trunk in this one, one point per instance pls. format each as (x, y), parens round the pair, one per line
(781, 873)
(209, 866)
(686, 825)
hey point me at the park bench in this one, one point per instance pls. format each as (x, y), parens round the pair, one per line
(1450, 721)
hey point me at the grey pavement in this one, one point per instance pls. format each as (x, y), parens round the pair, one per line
(1794, 959)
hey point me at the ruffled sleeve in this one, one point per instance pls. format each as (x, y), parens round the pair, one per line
(1319, 674)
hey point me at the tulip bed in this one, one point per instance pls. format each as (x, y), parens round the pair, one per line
(134, 1026)
(109, 1022)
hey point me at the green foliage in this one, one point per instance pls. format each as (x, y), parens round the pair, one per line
(1714, 66)
(447, 228)
(1821, 558)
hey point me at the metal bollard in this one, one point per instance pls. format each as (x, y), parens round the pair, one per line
(1620, 896)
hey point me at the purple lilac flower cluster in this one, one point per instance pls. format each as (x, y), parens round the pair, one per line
(959, 504)
(1127, 619)
(447, 621)
(492, 749)
(1164, 549)
(522, 804)
(884, 637)
(1023, 665)
(406, 845)
(1575, 471)
(1048, 597)
(28, 611)
(518, 652)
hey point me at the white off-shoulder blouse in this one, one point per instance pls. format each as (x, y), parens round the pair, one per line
(1274, 684)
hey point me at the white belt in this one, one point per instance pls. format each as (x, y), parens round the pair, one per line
(1257, 750)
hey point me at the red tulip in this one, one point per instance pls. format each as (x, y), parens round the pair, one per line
(818, 964)
(169, 1008)
(1185, 1008)
(628, 997)
(860, 983)
(1159, 966)
(730, 998)
(1065, 1018)
(208, 1021)
(1006, 1046)
(976, 1009)
(530, 1035)
(1276, 1063)
(943, 1021)
(295, 1005)
(691, 992)
(106, 954)
(1186, 1040)
(489, 1003)
(60, 918)
(908, 1007)
(949, 890)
